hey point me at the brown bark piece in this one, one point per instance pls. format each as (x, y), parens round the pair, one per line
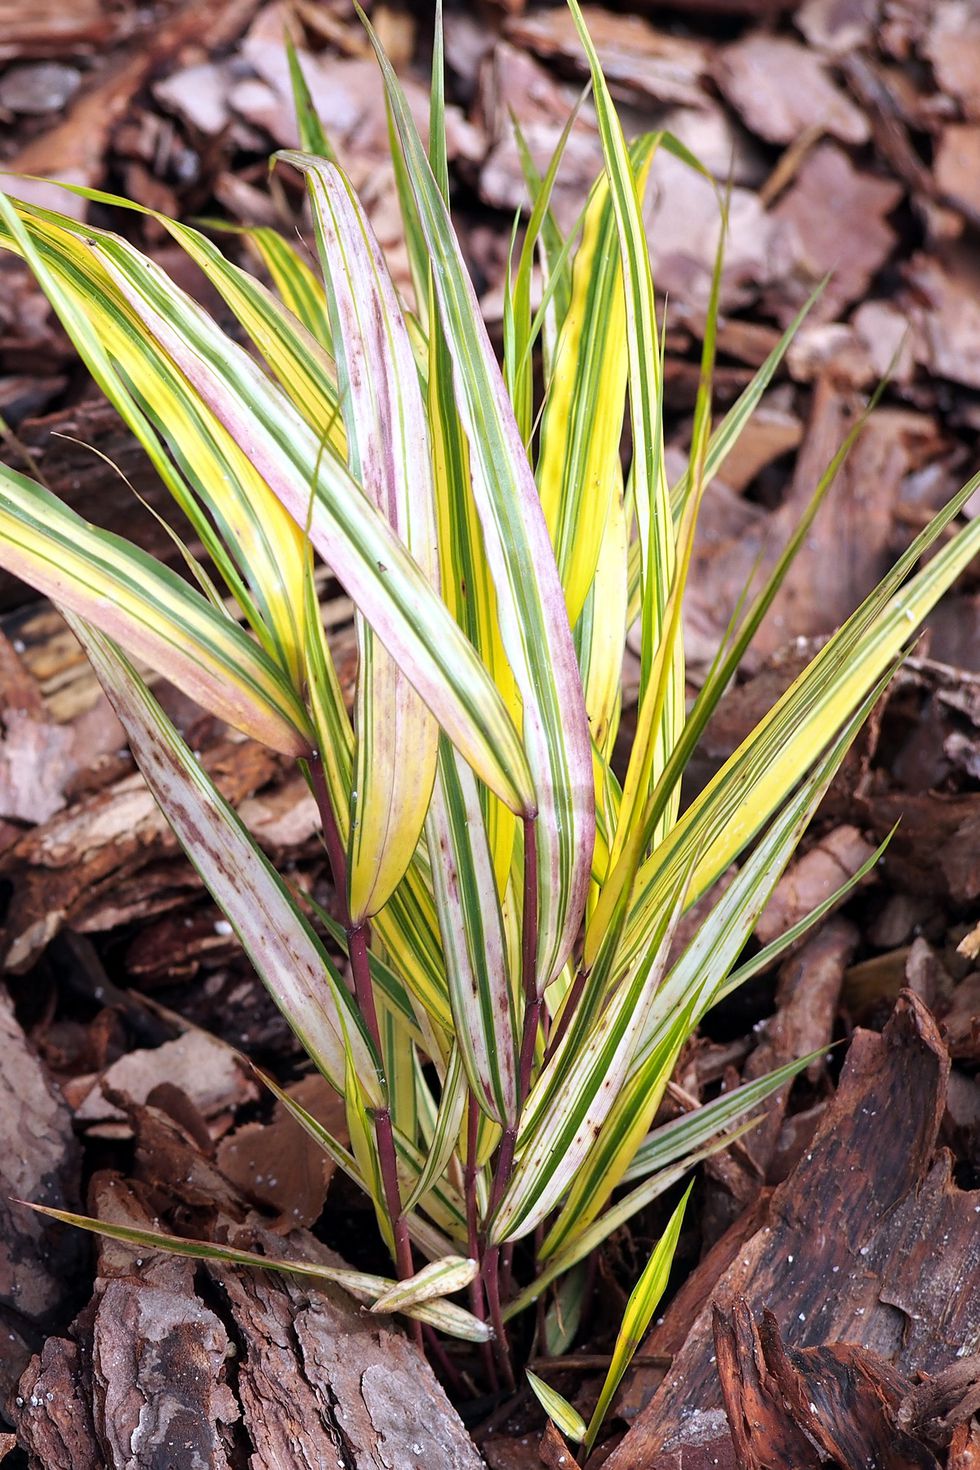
(278, 1164)
(39, 1160)
(59, 868)
(765, 1438)
(780, 90)
(35, 754)
(635, 56)
(812, 879)
(839, 215)
(866, 1242)
(209, 1073)
(54, 1410)
(317, 1381)
(836, 1404)
(50, 28)
(957, 167)
(554, 1452)
(946, 312)
(806, 1006)
(953, 47)
(317, 1374)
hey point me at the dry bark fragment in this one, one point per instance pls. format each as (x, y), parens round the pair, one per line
(835, 1403)
(636, 57)
(39, 1160)
(780, 90)
(148, 1386)
(839, 215)
(868, 1241)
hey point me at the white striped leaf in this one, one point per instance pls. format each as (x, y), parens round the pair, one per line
(279, 941)
(362, 1285)
(389, 454)
(531, 608)
(438, 1279)
(351, 535)
(473, 940)
(156, 615)
(577, 1092)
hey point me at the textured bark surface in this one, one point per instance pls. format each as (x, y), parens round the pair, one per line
(838, 1404)
(868, 1242)
(39, 1160)
(180, 1366)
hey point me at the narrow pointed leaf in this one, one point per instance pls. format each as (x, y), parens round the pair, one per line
(636, 1319)
(533, 621)
(274, 934)
(362, 1285)
(473, 939)
(388, 450)
(558, 1409)
(582, 428)
(154, 613)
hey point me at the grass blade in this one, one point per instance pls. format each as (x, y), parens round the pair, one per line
(389, 455)
(531, 609)
(156, 614)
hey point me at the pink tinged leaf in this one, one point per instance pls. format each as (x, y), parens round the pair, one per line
(388, 451)
(273, 932)
(352, 537)
(531, 605)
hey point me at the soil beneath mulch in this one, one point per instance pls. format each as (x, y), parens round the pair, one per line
(850, 131)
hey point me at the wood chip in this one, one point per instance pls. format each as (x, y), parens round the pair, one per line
(39, 1161)
(953, 47)
(811, 879)
(637, 58)
(780, 89)
(838, 26)
(839, 218)
(870, 1208)
(957, 167)
(210, 1074)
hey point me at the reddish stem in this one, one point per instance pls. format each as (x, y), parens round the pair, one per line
(567, 1012)
(364, 992)
(477, 1296)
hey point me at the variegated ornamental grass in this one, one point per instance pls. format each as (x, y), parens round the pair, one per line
(509, 897)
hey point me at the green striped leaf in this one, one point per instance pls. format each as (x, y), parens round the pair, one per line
(278, 940)
(388, 449)
(156, 615)
(651, 499)
(582, 428)
(533, 622)
(473, 940)
(693, 985)
(441, 1144)
(258, 549)
(563, 1414)
(639, 1311)
(769, 763)
(575, 1094)
(351, 535)
(680, 1138)
(362, 1285)
(618, 1215)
